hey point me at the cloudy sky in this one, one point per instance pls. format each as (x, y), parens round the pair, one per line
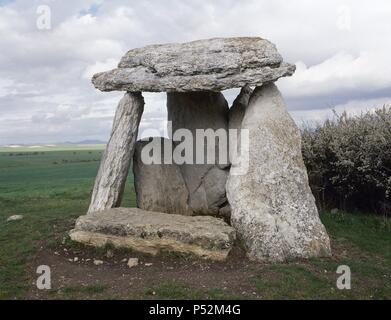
(342, 50)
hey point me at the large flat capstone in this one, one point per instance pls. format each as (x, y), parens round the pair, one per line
(204, 65)
(151, 232)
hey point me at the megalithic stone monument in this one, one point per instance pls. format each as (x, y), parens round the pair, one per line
(269, 207)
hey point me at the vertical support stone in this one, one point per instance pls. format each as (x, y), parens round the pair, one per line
(159, 186)
(273, 209)
(110, 181)
(205, 182)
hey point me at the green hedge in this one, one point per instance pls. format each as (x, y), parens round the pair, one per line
(348, 160)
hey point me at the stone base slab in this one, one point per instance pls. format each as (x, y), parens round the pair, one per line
(152, 232)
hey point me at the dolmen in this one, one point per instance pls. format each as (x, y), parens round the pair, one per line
(224, 175)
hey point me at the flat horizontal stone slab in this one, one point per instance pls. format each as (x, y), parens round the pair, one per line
(151, 232)
(204, 65)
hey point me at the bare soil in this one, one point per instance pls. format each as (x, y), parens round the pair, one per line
(194, 277)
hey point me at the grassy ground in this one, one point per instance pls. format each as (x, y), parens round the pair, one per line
(19, 150)
(52, 188)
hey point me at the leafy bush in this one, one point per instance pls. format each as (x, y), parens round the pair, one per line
(348, 160)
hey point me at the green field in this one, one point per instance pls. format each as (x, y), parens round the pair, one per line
(50, 188)
(42, 148)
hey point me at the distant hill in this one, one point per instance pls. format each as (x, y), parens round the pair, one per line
(66, 143)
(79, 145)
(84, 142)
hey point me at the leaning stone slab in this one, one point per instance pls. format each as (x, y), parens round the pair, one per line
(235, 118)
(204, 65)
(238, 109)
(114, 166)
(273, 209)
(151, 232)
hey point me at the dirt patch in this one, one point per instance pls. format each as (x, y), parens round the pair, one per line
(74, 275)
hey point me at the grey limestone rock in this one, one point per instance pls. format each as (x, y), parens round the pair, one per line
(110, 180)
(203, 65)
(272, 207)
(151, 232)
(159, 186)
(201, 111)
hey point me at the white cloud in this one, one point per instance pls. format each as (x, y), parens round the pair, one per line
(99, 66)
(6, 87)
(343, 71)
(61, 114)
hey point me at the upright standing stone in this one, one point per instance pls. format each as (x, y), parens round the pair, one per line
(114, 167)
(159, 186)
(273, 209)
(205, 182)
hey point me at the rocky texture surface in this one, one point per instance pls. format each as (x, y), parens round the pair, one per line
(159, 187)
(132, 262)
(151, 232)
(235, 118)
(205, 182)
(114, 166)
(273, 209)
(238, 109)
(15, 217)
(98, 262)
(204, 65)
